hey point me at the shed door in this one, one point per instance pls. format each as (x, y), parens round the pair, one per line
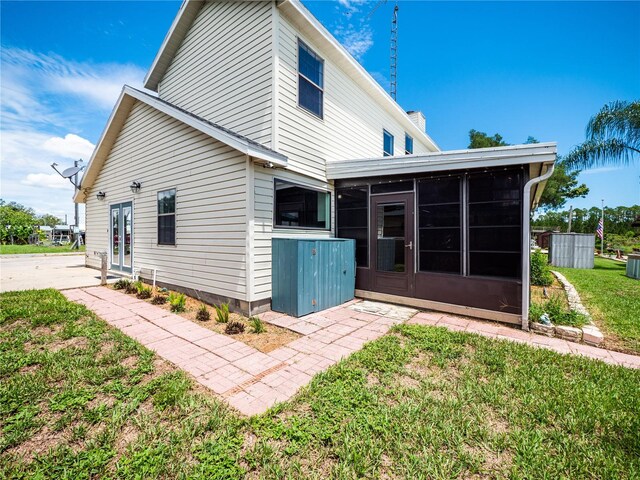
(392, 244)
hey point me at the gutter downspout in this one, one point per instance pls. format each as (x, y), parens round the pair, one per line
(526, 244)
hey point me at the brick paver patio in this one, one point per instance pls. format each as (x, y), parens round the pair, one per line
(252, 381)
(248, 379)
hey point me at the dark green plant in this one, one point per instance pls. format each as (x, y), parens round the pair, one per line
(555, 308)
(121, 284)
(222, 313)
(203, 313)
(177, 302)
(159, 300)
(540, 273)
(132, 287)
(233, 328)
(257, 325)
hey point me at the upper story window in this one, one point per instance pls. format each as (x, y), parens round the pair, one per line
(408, 144)
(301, 207)
(387, 144)
(310, 80)
(167, 217)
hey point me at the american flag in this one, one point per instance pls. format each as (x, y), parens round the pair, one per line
(600, 229)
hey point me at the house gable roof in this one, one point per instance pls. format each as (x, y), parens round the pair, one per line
(119, 115)
(310, 26)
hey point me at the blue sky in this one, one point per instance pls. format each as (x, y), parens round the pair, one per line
(515, 68)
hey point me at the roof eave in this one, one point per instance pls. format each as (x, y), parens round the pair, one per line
(442, 161)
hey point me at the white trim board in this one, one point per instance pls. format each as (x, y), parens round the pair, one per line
(128, 96)
(442, 161)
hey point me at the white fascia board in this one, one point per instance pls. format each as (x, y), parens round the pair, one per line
(89, 174)
(294, 9)
(440, 161)
(118, 116)
(234, 142)
(173, 38)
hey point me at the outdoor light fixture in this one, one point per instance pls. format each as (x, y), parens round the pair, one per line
(135, 186)
(101, 195)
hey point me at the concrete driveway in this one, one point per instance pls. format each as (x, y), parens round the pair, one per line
(25, 272)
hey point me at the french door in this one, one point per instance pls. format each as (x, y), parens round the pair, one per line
(121, 235)
(393, 244)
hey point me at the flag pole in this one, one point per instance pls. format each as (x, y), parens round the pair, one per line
(602, 238)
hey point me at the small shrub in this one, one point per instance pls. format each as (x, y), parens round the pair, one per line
(177, 301)
(234, 327)
(257, 325)
(203, 313)
(222, 313)
(540, 273)
(132, 287)
(558, 315)
(121, 284)
(159, 300)
(144, 292)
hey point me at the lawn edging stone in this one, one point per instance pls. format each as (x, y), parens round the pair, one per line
(590, 333)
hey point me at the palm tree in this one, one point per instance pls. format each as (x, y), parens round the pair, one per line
(613, 137)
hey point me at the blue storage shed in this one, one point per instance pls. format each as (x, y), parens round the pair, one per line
(309, 275)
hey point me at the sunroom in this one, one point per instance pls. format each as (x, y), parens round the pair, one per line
(445, 230)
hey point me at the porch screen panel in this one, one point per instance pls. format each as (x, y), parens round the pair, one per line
(353, 220)
(495, 224)
(439, 225)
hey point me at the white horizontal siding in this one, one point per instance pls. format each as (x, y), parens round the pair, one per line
(210, 179)
(352, 124)
(263, 223)
(223, 69)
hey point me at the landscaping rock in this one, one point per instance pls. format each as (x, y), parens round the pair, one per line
(568, 333)
(592, 335)
(543, 329)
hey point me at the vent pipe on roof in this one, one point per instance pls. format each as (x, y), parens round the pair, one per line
(419, 119)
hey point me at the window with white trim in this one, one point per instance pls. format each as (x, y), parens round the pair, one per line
(310, 80)
(408, 144)
(387, 144)
(301, 207)
(167, 217)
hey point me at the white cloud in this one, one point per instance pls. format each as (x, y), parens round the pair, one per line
(595, 171)
(71, 146)
(357, 42)
(46, 180)
(48, 104)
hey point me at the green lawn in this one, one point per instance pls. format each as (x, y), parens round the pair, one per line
(78, 399)
(16, 249)
(613, 299)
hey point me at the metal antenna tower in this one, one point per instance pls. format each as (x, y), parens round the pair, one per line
(393, 84)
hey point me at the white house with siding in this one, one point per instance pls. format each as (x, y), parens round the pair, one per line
(252, 116)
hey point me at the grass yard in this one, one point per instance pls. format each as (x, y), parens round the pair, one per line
(17, 249)
(78, 399)
(613, 299)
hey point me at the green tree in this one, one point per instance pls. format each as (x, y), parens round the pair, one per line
(49, 220)
(562, 185)
(16, 222)
(613, 137)
(482, 140)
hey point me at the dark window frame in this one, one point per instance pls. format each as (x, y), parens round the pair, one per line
(408, 140)
(302, 77)
(386, 133)
(305, 187)
(367, 228)
(165, 215)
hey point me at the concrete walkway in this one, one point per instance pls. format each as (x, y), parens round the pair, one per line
(248, 379)
(25, 272)
(252, 381)
(504, 332)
